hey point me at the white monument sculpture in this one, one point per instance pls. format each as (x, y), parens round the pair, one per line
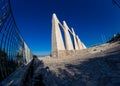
(57, 41)
(75, 40)
(79, 43)
(58, 47)
(68, 41)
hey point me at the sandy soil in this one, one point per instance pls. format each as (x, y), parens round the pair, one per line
(96, 66)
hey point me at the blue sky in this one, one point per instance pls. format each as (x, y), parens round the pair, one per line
(94, 21)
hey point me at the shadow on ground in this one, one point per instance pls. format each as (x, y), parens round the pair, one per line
(97, 71)
(38, 73)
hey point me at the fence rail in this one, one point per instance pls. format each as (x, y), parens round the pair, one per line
(14, 52)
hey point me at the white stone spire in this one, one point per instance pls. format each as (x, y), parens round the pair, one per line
(79, 43)
(57, 41)
(84, 47)
(75, 41)
(68, 41)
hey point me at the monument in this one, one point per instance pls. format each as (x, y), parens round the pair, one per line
(60, 47)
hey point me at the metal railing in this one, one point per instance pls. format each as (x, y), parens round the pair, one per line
(13, 50)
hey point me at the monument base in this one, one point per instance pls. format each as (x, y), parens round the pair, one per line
(64, 53)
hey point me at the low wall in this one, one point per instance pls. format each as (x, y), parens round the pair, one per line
(18, 77)
(64, 53)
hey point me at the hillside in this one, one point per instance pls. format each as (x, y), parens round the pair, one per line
(115, 38)
(96, 66)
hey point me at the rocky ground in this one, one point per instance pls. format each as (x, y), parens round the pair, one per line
(96, 66)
